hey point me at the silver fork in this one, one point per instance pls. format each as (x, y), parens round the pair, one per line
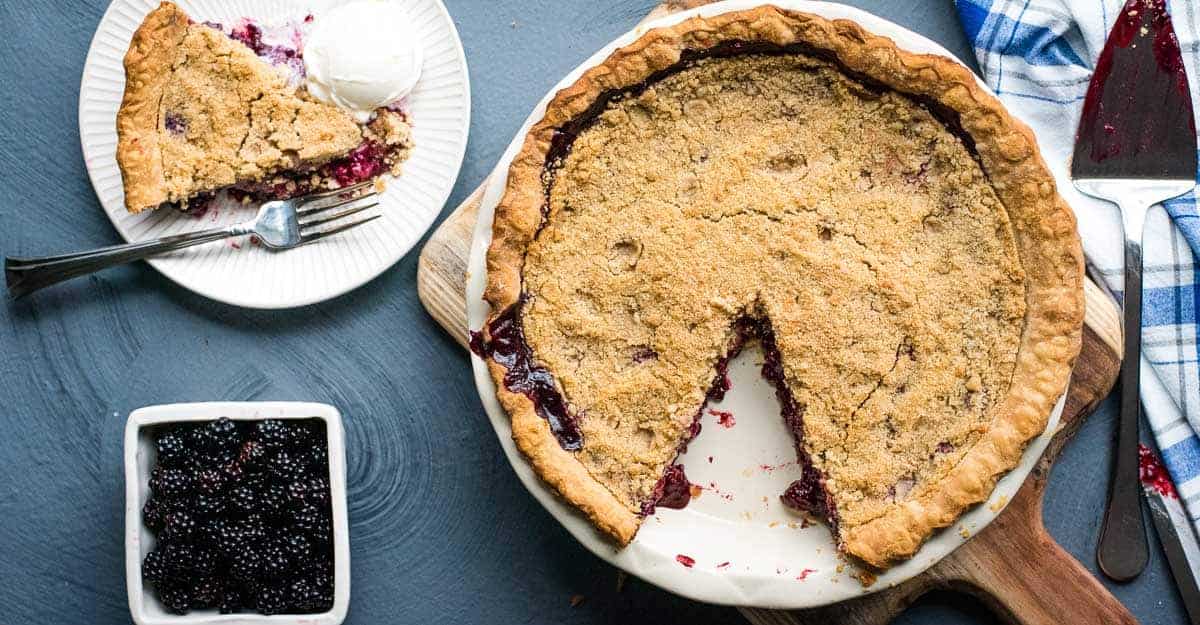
(280, 225)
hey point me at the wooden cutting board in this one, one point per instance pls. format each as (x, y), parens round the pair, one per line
(1012, 565)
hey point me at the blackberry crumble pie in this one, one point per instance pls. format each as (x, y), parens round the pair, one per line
(208, 109)
(874, 218)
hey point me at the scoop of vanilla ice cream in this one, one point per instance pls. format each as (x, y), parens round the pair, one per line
(361, 56)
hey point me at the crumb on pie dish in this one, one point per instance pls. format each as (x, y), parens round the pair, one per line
(873, 218)
(208, 109)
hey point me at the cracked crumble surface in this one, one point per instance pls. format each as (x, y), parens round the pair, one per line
(226, 116)
(776, 186)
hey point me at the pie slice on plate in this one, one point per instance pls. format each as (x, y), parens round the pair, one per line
(873, 218)
(208, 110)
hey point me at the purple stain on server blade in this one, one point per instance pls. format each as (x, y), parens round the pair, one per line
(1138, 96)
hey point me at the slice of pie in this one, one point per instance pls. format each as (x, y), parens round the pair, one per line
(207, 110)
(873, 218)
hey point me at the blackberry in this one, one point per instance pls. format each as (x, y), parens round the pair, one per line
(323, 581)
(271, 600)
(154, 568)
(288, 467)
(204, 561)
(223, 434)
(303, 433)
(230, 600)
(273, 434)
(200, 439)
(244, 499)
(215, 436)
(314, 520)
(177, 557)
(253, 528)
(272, 501)
(175, 597)
(299, 548)
(307, 595)
(210, 529)
(312, 490)
(234, 471)
(243, 518)
(318, 458)
(167, 482)
(209, 481)
(252, 455)
(154, 513)
(273, 560)
(224, 536)
(172, 449)
(178, 527)
(256, 480)
(206, 592)
(209, 506)
(245, 565)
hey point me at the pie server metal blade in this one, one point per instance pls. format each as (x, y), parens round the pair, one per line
(1137, 117)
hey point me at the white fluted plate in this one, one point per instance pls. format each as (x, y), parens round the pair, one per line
(248, 275)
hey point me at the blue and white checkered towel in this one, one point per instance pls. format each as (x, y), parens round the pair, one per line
(1038, 56)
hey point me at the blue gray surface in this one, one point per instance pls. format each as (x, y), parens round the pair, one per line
(442, 532)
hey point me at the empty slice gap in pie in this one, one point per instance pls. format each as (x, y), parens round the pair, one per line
(209, 108)
(873, 217)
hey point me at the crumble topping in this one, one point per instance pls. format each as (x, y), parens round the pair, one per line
(775, 188)
(236, 119)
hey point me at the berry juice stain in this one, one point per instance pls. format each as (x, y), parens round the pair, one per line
(1152, 473)
(724, 418)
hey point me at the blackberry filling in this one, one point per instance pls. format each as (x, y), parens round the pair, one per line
(175, 123)
(672, 491)
(509, 349)
(367, 161)
(252, 35)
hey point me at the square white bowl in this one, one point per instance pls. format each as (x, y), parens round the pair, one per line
(139, 461)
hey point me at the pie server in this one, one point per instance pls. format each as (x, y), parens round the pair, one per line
(1136, 147)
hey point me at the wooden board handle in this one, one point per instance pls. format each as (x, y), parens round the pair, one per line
(1040, 585)
(1036, 582)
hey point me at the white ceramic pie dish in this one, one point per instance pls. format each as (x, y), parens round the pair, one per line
(248, 275)
(139, 540)
(745, 548)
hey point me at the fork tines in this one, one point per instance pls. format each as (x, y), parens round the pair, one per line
(320, 209)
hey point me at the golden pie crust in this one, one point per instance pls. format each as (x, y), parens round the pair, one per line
(925, 295)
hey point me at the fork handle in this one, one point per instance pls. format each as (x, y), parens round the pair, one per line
(1123, 551)
(26, 275)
